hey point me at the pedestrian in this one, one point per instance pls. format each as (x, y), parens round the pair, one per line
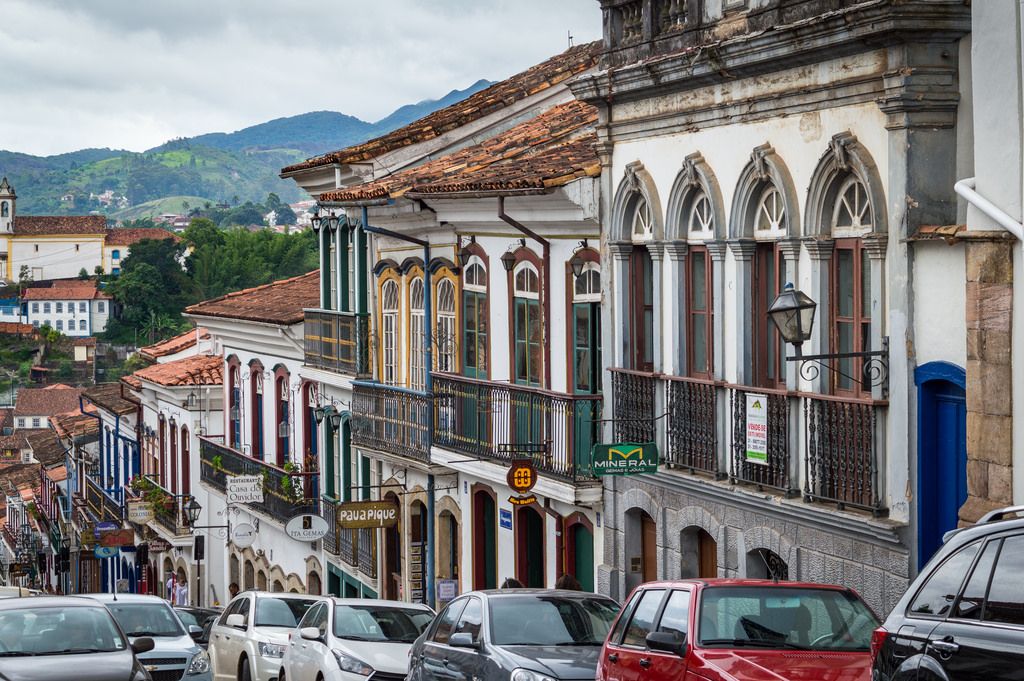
(567, 581)
(233, 589)
(512, 583)
(170, 587)
(181, 591)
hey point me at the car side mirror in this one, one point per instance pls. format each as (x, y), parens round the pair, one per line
(310, 633)
(237, 621)
(667, 642)
(142, 645)
(195, 632)
(463, 639)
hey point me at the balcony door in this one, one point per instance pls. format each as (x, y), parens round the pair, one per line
(530, 547)
(475, 324)
(485, 541)
(586, 359)
(768, 350)
(528, 411)
(641, 297)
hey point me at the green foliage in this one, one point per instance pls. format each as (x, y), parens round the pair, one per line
(50, 335)
(83, 274)
(65, 369)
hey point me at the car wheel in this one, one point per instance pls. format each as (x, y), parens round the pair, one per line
(243, 670)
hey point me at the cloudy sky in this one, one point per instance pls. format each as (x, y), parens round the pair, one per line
(132, 74)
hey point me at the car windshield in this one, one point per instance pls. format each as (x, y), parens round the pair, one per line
(188, 618)
(785, 617)
(146, 619)
(58, 631)
(377, 623)
(280, 612)
(543, 620)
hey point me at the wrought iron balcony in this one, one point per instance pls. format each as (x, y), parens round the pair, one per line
(282, 490)
(101, 504)
(633, 402)
(168, 509)
(692, 424)
(393, 420)
(337, 341)
(776, 471)
(329, 512)
(503, 421)
(9, 537)
(367, 550)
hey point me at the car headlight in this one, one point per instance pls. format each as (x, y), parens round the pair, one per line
(274, 650)
(200, 663)
(352, 664)
(527, 675)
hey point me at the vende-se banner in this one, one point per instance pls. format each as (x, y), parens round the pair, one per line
(757, 428)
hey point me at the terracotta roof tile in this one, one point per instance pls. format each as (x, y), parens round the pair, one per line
(108, 396)
(16, 440)
(547, 74)
(76, 425)
(14, 328)
(86, 340)
(59, 224)
(18, 475)
(280, 302)
(46, 401)
(125, 236)
(46, 446)
(132, 382)
(558, 143)
(173, 345)
(195, 370)
(83, 291)
(58, 474)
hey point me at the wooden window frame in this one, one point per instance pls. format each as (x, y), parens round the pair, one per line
(186, 463)
(858, 320)
(392, 315)
(256, 398)
(637, 308)
(762, 325)
(590, 257)
(696, 318)
(525, 255)
(282, 407)
(482, 303)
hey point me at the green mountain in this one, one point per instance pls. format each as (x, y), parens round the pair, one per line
(219, 167)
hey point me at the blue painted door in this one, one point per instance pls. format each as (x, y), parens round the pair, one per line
(942, 462)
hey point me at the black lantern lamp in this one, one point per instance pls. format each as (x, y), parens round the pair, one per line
(191, 401)
(318, 414)
(316, 220)
(236, 413)
(464, 254)
(332, 221)
(576, 262)
(336, 419)
(793, 314)
(192, 511)
(282, 429)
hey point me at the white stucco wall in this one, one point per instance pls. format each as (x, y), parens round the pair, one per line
(49, 257)
(939, 304)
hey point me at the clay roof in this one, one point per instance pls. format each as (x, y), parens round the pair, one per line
(280, 302)
(18, 475)
(195, 370)
(86, 340)
(540, 77)
(46, 446)
(557, 146)
(14, 328)
(132, 382)
(173, 345)
(16, 440)
(125, 236)
(58, 474)
(59, 224)
(84, 291)
(76, 425)
(46, 401)
(108, 396)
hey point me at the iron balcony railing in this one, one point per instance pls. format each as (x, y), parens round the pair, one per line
(337, 341)
(347, 547)
(633, 403)
(280, 499)
(168, 509)
(841, 455)
(692, 424)
(100, 503)
(389, 419)
(9, 536)
(367, 549)
(329, 512)
(776, 471)
(502, 421)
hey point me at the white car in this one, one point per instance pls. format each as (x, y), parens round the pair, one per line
(350, 639)
(249, 638)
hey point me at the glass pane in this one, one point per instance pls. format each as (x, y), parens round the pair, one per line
(844, 336)
(865, 286)
(676, 616)
(700, 345)
(648, 335)
(1005, 596)
(973, 599)
(642, 622)
(698, 282)
(939, 592)
(648, 281)
(582, 323)
(844, 277)
(582, 370)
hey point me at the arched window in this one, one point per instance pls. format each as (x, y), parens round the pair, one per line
(417, 369)
(852, 212)
(586, 330)
(5, 209)
(529, 346)
(235, 404)
(186, 463)
(475, 318)
(643, 222)
(771, 214)
(769, 279)
(851, 284)
(700, 219)
(172, 467)
(281, 420)
(256, 390)
(310, 443)
(389, 332)
(162, 448)
(445, 335)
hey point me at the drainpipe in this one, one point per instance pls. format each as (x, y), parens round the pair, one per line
(965, 188)
(545, 298)
(428, 383)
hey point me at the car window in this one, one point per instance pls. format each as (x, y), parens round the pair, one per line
(380, 623)
(446, 622)
(642, 621)
(280, 612)
(320, 619)
(472, 619)
(549, 619)
(189, 619)
(71, 630)
(938, 593)
(676, 616)
(624, 616)
(972, 600)
(239, 606)
(146, 619)
(1005, 602)
(309, 619)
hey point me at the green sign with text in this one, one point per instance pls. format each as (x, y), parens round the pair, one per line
(627, 458)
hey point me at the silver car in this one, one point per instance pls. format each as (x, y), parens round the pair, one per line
(175, 655)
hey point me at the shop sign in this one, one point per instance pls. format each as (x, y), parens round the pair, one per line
(757, 429)
(522, 476)
(243, 535)
(447, 589)
(306, 527)
(522, 501)
(627, 458)
(118, 538)
(102, 552)
(245, 489)
(140, 512)
(159, 545)
(353, 515)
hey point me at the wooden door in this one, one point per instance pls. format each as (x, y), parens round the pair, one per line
(708, 555)
(649, 544)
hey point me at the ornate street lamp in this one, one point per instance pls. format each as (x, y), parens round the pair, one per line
(315, 221)
(576, 262)
(464, 254)
(793, 315)
(192, 511)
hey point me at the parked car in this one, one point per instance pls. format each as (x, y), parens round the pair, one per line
(60, 638)
(175, 654)
(342, 637)
(738, 630)
(203, 618)
(248, 640)
(514, 634)
(18, 592)
(963, 617)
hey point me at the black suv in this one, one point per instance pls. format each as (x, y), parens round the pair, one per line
(963, 617)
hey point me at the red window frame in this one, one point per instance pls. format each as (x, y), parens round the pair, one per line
(699, 318)
(858, 316)
(640, 264)
(769, 348)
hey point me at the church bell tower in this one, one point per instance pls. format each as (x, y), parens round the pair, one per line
(7, 199)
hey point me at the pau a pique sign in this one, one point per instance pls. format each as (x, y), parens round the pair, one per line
(354, 515)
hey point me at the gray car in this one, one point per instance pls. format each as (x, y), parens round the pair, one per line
(59, 638)
(514, 635)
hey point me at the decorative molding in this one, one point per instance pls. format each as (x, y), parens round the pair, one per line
(676, 250)
(876, 244)
(717, 249)
(819, 249)
(620, 250)
(742, 249)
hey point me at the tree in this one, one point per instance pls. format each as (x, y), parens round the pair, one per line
(83, 274)
(24, 279)
(285, 215)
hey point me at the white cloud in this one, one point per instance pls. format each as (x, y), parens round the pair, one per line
(131, 74)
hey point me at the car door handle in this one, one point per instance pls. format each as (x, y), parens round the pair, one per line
(445, 661)
(945, 647)
(613, 658)
(645, 662)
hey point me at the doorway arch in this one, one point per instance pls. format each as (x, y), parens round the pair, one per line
(485, 539)
(579, 550)
(641, 548)
(766, 564)
(698, 553)
(448, 545)
(392, 555)
(530, 567)
(941, 452)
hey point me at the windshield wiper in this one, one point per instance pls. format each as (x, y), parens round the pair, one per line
(753, 643)
(17, 653)
(353, 637)
(578, 643)
(75, 651)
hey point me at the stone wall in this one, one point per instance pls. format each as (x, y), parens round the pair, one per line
(989, 390)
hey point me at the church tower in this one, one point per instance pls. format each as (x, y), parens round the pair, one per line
(7, 199)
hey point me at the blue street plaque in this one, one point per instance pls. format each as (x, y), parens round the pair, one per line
(505, 518)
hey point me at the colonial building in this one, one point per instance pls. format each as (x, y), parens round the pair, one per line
(748, 144)
(75, 308)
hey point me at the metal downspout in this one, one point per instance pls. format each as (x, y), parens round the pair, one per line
(965, 188)
(428, 384)
(545, 300)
